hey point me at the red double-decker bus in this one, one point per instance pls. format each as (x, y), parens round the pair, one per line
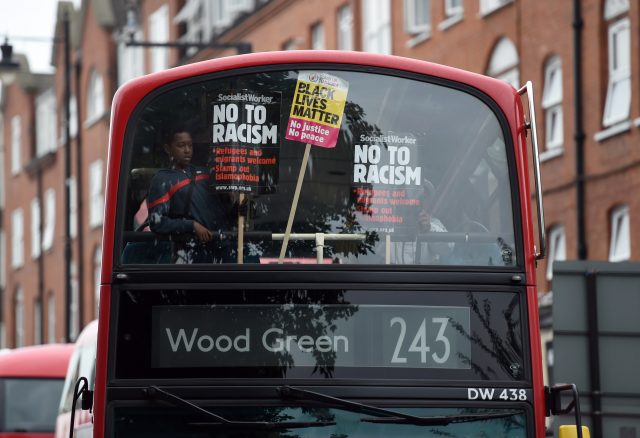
(31, 381)
(320, 244)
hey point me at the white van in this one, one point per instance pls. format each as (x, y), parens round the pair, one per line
(82, 364)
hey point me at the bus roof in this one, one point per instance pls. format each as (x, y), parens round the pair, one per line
(36, 361)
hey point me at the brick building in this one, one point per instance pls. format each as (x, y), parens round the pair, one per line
(590, 171)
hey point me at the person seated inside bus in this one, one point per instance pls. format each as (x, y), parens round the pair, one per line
(182, 205)
(421, 250)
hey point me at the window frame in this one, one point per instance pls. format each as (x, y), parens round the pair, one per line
(376, 27)
(412, 21)
(552, 96)
(451, 10)
(617, 76)
(36, 235)
(19, 316)
(344, 27)
(159, 32)
(318, 40)
(96, 193)
(95, 98)
(17, 238)
(557, 248)
(48, 232)
(16, 144)
(46, 122)
(620, 228)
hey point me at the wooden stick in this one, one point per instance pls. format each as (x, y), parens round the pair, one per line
(294, 204)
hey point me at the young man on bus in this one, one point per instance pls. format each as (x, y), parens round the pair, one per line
(182, 205)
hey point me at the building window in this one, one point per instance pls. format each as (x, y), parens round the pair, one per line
(612, 8)
(159, 33)
(73, 120)
(618, 100)
(51, 318)
(453, 8)
(345, 28)
(504, 62)
(17, 238)
(488, 6)
(226, 11)
(95, 98)
(97, 264)
(96, 195)
(36, 239)
(552, 104)
(73, 207)
(45, 123)
(291, 44)
(74, 306)
(49, 219)
(620, 245)
(16, 144)
(37, 322)
(557, 248)
(377, 26)
(317, 37)
(19, 317)
(417, 16)
(130, 59)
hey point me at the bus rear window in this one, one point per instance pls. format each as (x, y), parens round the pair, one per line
(316, 167)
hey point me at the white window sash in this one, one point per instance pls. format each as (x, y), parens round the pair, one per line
(618, 102)
(19, 318)
(620, 244)
(415, 22)
(16, 145)
(159, 33)
(96, 194)
(51, 319)
(317, 37)
(453, 8)
(554, 127)
(557, 249)
(17, 238)
(345, 28)
(552, 94)
(35, 228)
(49, 219)
(377, 26)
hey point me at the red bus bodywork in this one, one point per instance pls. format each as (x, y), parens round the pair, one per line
(505, 96)
(37, 362)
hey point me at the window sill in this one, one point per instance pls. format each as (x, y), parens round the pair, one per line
(488, 12)
(419, 38)
(450, 22)
(612, 131)
(547, 155)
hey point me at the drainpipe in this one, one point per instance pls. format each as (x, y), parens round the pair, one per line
(579, 135)
(79, 194)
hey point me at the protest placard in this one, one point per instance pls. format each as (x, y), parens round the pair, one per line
(246, 141)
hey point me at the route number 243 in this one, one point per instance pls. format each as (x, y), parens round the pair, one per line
(419, 342)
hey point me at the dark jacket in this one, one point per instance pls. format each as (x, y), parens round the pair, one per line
(169, 212)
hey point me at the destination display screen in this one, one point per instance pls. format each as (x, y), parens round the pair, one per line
(309, 336)
(312, 334)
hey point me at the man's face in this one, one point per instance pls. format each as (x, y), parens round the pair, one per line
(180, 149)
